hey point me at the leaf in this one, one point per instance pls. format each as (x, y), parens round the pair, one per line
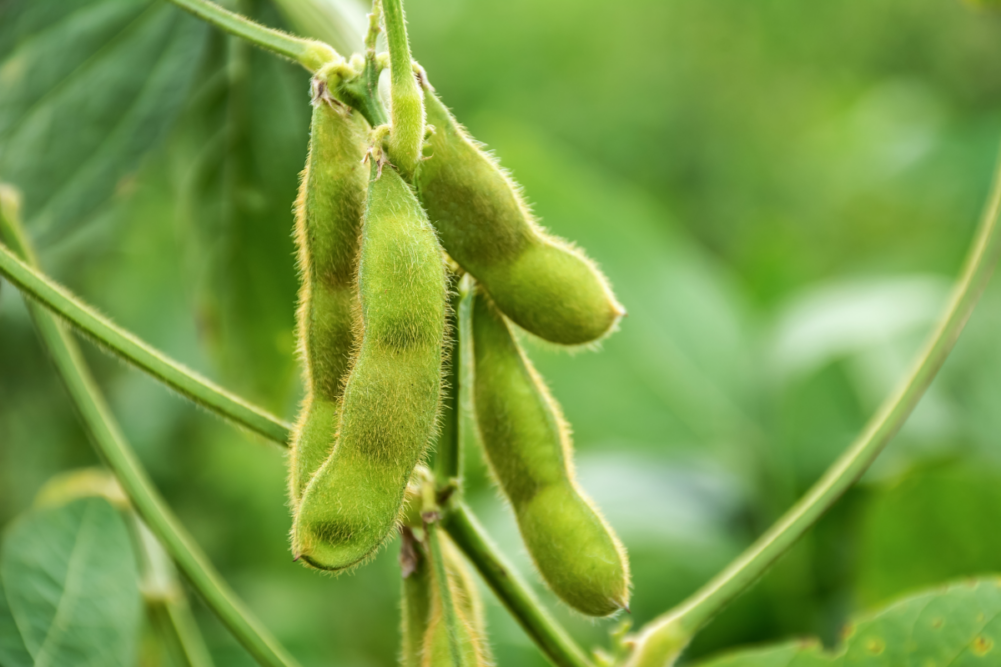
(933, 524)
(956, 626)
(69, 592)
(340, 23)
(248, 142)
(87, 88)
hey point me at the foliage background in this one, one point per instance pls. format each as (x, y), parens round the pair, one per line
(781, 193)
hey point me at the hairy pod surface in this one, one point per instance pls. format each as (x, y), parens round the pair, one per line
(328, 219)
(542, 283)
(474, 650)
(391, 397)
(528, 446)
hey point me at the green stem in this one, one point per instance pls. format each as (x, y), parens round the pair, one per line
(111, 446)
(362, 92)
(444, 592)
(407, 108)
(693, 613)
(165, 599)
(133, 350)
(511, 589)
(310, 53)
(372, 68)
(179, 633)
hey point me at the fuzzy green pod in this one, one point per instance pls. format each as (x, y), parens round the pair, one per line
(328, 218)
(528, 446)
(391, 396)
(542, 283)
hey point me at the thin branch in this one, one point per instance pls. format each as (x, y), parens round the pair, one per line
(166, 601)
(361, 91)
(135, 351)
(664, 638)
(113, 449)
(310, 53)
(511, 589)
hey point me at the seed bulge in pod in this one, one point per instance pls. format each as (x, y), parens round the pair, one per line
(528, 446)
(542, 283)
(328, 218)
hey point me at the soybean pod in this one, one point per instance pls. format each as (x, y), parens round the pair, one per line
(391, 397)
(328, 217)
(528, 446)
(542, 283)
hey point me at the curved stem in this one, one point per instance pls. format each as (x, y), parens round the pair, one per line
(673, 629)
(511, 589)
(135, 351)
(310, 53)
(113, 449)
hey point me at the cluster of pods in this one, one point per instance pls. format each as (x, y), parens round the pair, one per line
(380, 249)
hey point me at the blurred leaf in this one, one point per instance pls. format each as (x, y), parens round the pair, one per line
(956, 626)
(340, 23)
(930, 525)
(244, 142)
(834, 320)
(70, 593)
(87, 88)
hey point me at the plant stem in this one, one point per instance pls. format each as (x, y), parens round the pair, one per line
(111, 446)
(511, 589)
(135, 351)
(178, 632)
(361, 92)
(165, 599)
(693, 613)
(407, 108)
(372, 69)
(310, 53)
(444, 591)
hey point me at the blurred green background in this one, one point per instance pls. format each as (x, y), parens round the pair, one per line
(781, 193)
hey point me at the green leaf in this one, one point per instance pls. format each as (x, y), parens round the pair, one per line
(935, 523)
(956, 626)
(69, 591)
(87, 88)
(247, 140)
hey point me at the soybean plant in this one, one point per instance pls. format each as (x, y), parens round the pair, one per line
(380, 249)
